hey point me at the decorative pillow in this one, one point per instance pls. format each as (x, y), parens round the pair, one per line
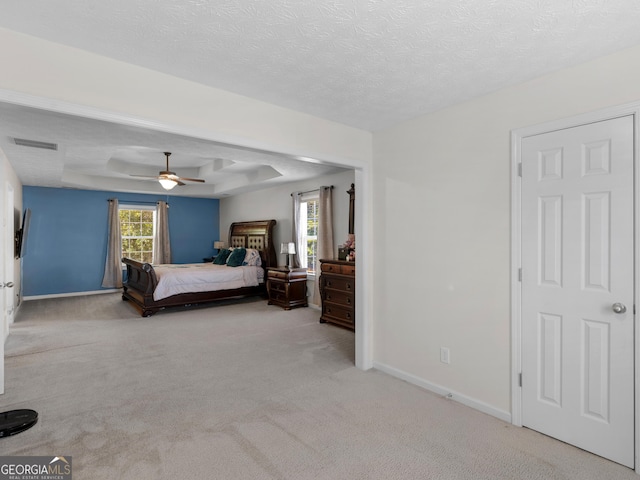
(222, 256)
(230, 249)
(252, 258)
(237, 257)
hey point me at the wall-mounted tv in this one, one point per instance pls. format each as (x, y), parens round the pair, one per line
(22, 233)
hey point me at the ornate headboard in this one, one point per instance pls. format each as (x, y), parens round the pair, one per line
(257, 234)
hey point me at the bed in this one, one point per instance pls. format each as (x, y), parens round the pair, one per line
(142, 278)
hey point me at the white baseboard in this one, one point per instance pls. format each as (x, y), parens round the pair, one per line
(445, 392)
(72, 294)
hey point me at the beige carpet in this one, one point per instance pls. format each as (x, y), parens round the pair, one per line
(243, 390)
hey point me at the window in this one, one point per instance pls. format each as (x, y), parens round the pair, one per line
(309, 217)
(137, 225)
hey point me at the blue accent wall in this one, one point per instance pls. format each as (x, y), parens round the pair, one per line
(67, 241)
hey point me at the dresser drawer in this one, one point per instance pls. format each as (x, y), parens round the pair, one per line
(339, 282)
(338, 314)
(277, 274)
(348, 270)
(277, 286)
(339, 297)
(278, 297)
(339, 269)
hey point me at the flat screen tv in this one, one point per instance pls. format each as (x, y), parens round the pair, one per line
(22, 234)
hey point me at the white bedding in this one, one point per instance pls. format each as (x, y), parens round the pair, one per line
(203, 277)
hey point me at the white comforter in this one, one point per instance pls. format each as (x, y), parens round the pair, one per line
(202, 277)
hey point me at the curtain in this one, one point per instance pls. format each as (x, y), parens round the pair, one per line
(325, 235)
(161, 243)
(113, 264)
(298, 231)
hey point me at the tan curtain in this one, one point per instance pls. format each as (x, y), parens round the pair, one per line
(299, 261)
(325, 235)
(113, 264)
(161, 243)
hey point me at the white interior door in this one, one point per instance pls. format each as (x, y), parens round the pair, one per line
(577, 278)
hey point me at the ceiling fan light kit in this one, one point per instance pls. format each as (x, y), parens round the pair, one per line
(169, 179)
(167, 183)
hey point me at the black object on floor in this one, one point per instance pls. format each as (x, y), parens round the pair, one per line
(16, 421)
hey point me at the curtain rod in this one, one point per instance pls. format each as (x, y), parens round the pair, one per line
(134, 202)
(310, 191)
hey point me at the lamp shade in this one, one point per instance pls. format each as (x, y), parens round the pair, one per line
(288, 248)
(218, 244)
(167, 183)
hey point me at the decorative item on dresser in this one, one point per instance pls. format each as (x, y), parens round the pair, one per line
(338, 292)
(287, 287)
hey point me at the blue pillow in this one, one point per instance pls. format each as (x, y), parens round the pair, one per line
(237, 257)
(222, 256)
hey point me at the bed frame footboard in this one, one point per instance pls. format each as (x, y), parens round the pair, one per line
(139, 287)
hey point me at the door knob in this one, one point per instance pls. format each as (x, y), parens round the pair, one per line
(619, 308)
(8, 285)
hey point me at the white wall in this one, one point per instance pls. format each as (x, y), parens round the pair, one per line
(276, 203)
(442, 205)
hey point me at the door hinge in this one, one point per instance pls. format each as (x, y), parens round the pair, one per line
(520, 379)
(520, 169)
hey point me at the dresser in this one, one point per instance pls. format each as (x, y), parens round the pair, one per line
(338, 293)
(287, 287)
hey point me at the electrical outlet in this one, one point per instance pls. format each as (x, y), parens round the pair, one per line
(445, 356)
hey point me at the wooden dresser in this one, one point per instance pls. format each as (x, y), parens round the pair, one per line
(338, 293)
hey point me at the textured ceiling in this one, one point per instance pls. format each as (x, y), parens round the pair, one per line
(368, 64)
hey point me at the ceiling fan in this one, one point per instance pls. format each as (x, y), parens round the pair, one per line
(169, 179)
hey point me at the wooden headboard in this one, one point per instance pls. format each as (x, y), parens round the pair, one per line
(257, 234)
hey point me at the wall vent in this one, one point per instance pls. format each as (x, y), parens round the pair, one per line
(35, 144)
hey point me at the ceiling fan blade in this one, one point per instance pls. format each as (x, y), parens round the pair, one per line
(145, 176)
(192, 179)
(179, 183)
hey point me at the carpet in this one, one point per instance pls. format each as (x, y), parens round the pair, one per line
(244, 390)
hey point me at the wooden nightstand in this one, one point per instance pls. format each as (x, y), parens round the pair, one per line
(287, 287)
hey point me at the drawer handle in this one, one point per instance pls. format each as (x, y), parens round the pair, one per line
(348, 285)
(348, 316)
(328, 283)
(349, 301)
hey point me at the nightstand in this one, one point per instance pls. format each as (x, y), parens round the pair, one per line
(287, 287)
